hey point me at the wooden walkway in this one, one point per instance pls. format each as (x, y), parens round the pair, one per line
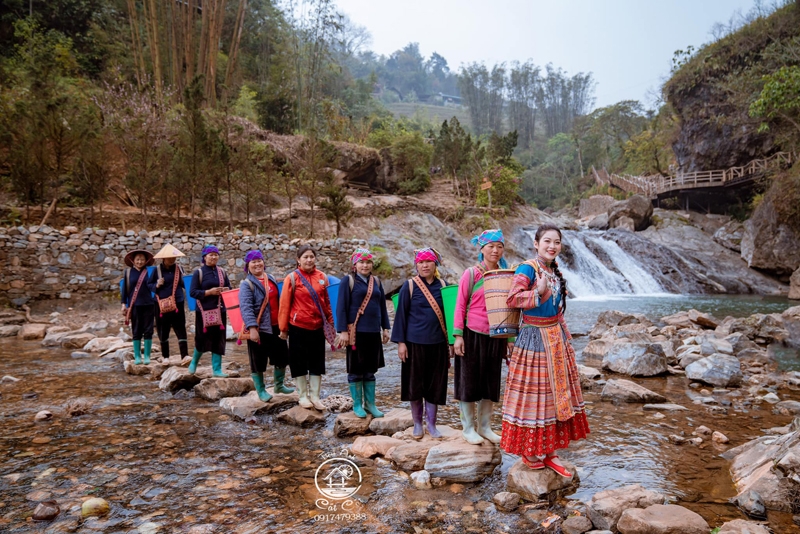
(658, 186)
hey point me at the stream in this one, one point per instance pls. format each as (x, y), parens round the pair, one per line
(177, 464)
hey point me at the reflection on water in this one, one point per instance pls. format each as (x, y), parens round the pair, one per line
(178, 462)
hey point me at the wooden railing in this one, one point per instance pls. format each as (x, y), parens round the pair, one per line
(654, 185)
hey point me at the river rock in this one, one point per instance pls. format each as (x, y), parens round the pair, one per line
(679, 319)
(31, 331)
(79, 355)
(702, 319)
(597, 348)
(46, 511)
(8, 379)
(718, 370)
(458, 461)
(44, 415)
(588, 375)
(635, 359)
(595, 205)
(370, 446)
(794, 285)
(788, 407)
(157, 370)
(10, 330)
(637, 208)
(412, 456)
(605, 508)
(302, 417)
(76, 341)
(349, 424)
(102, 344)
(609, 319)
(791, 322)
(752, 504)
(740, 526)
(507, 501)
(250, 405)
(739, 342)
(662, 519)
(396, 420)
(421, 480)
(214, 389)
(576, 525)
(599, 222)
(714, 345)
(533, 485)
(729, 235)
(176, 378)
(769, 246)
(627, 391)
(136, 370)
(666, 407)
(95, 507)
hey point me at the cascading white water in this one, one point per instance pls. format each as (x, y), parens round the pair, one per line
(588, 276)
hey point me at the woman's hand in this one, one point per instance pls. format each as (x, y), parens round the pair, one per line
(541, 285)
(284, 335)
(342, 339)
(509, 349)
(123, 309)
(450, 347)
(254, 337)
(214, 291)
(386, 336)
(159, 282)
(458, 348)
(402, 351)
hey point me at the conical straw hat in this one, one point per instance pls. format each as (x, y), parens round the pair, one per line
(169, 252)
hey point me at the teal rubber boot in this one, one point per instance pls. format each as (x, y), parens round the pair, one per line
(280, 375)
(137, 351)
(369, 399)
(356, 390)
(195, 360)
(216, 366)
(148, 345)
(258, 381)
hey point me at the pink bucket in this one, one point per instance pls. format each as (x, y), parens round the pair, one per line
(231, 300)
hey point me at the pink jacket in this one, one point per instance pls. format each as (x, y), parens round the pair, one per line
(470, 311)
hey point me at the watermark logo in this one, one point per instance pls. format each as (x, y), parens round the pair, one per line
(338, 479)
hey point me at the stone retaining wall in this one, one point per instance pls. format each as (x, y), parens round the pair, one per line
(43, 262)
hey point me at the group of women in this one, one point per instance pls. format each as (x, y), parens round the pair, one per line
(543, 408)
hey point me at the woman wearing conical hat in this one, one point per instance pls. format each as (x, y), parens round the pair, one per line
(138, 306)
(166, 281)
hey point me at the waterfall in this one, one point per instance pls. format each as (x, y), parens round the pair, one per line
(596, 266)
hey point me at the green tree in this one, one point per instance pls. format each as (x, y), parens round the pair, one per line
(313, 170)
(779, 100)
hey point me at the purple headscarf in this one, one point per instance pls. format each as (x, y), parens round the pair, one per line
(208, 249)
(252, 255)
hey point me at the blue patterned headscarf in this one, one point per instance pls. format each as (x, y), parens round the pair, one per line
(208, 249)
(494, 235)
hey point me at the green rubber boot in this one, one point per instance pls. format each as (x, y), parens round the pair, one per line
(356, 391)
(280, 375)
(148, 345)
(195, 360)
(137, 351)
(369, 399)
(258, 380)
(216, 366)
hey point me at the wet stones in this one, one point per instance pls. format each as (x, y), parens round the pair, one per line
(31, 331)
(10, 330)
(349, 424)
(411, 456)
(788, 407)
(371, 446)
(458, 461)
(76, 341)
(740, 526)
(635, 359)
(421, 480)
(627, 391)
(396, 420)
(103, 344)
(95, 507)
(507, 501)
(605, 508)
(46, 511)
(662, 519)
(299, 416)
(176, 378)
(250, 405)
(718, 370)
(43, 415)
(214, 389)
(8, 379)
(665, 407)
(533, 485)
(576, 525)
(137, 370)
(752, 504)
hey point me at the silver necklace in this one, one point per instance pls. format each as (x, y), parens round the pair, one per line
(553, 282)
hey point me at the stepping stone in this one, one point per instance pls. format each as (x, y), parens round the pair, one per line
(662, 519)
(396, 420)
(214, 389)
(302, 417)
(349, 424)
(534, 485)
(250, 405)
(369, 446)
(458, 461)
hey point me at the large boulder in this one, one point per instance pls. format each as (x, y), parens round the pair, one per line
(611, 318)
(458, 461)
(369, 446)
(662, 519)
(595, 205)
(768, 245)
(214, 389)
(794, 285)
(533, 485)
(411, 456)
(606, 507)
(31, 331)
(730, 235)
(635, 359)
(627, 391)
(791, 322)
(637, 208)
(719, 370)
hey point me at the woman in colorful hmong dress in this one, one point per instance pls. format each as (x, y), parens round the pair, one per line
(543, 407)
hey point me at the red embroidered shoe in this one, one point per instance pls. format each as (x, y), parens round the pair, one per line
(560, 469)
(533, 464)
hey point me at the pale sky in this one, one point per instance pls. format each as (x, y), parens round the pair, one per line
(627, 44)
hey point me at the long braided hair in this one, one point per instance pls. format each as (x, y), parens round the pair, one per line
(563, 282)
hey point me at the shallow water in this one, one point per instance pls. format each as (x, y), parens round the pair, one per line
(178, 463)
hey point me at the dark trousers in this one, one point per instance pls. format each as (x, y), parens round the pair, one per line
(424, 373)
(306, 351)
(478, 371)
(142, 320)
(271, 349)
(172, 321)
